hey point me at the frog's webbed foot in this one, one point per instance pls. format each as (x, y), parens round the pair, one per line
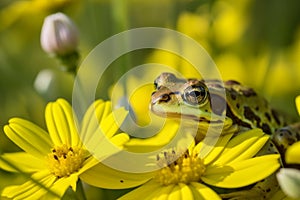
(264, 189)
(286, 136)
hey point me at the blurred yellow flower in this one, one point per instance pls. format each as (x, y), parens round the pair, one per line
(137, 95)
(193, 25)
(20, 10)
(56, 160)
(232, 61)
(196, 26)
(229, 22)
(298, 104)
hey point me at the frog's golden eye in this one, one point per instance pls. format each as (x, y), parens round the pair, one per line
(195, 94)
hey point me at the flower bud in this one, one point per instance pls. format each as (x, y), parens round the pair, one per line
(289, 181)
(59, 35)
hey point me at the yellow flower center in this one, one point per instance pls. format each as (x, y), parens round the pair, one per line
(64, 160)
(187, 168)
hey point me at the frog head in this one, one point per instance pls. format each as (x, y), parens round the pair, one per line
(188, 99)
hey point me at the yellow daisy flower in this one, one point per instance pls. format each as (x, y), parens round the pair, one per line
(229, 164)
(58, 159)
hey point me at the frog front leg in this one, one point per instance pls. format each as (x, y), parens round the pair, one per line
(280, 141)
(263, 189)
(285, 137)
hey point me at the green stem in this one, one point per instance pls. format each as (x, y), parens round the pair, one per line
(69, 62)
(120, 23)
(80, 191)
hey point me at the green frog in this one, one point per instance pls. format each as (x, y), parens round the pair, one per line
(199, 100)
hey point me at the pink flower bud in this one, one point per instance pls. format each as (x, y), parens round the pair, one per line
(59, 35)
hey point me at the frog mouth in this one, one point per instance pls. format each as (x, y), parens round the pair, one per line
(200, 116)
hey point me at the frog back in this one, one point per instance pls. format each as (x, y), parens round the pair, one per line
(248, 109)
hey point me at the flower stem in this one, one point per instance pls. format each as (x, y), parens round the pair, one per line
(121, 23)
(69, 62)
(80, 191)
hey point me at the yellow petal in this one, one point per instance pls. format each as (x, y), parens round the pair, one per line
(106, 111)
(113, 121)
(153, 143)
(163, 193)
(243, 146)
(94, 137)
(298, 104)
(87, 164)
(61, 185)
(214, 150)
(31, 189)
(201, 191)
(243, 173)
(100, 146)
(106, 177)
(175, 194)
(145, 191)
(71, 121)
(90, 121)
(21, 161)
(29, 137)
(61, 123)
(293, 154)
(186, 192)
(120, 139)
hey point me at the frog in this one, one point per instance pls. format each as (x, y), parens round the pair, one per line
(198, 99)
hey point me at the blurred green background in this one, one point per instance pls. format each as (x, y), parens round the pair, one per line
(254, 42)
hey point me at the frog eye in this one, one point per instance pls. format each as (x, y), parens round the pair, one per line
(155, 85)
(195, 94)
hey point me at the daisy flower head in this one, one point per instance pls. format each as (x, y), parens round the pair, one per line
(56, 159)
(229, 164)
(194, 174)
